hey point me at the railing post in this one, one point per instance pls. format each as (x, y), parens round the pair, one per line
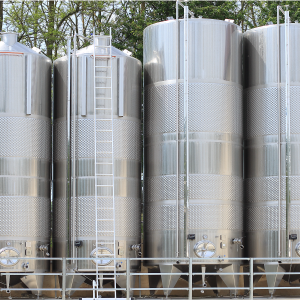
(64, 266)
(251, 279)
(190, 278)
(127, 278)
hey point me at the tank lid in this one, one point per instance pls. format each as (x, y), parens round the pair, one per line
(9, 38)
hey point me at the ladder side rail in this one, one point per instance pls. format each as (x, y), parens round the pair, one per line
(95, 165)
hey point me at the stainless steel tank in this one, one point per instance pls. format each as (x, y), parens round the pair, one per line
(25, 156)
(265, 226)
(70, 226)
(214, 212)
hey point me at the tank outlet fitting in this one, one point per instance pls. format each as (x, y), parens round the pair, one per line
(237, 241)
(43, 247)
(118, 265)
(25, 265)
(136, 247)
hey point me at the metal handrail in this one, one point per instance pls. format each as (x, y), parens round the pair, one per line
(129, 273)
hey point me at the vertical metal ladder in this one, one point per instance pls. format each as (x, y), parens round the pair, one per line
(104, 163)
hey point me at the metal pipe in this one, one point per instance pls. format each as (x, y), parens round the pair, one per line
(279, 132)
(64, 266)
(84, 83)
(177, 131)
(186, 130)
(28, 85)
(251, 280)
(190, 278)
(288, 131)
(74, 102)
(95, 158)
(127, 278)
(68, 192)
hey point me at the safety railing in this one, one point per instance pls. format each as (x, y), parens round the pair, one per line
(253, 268)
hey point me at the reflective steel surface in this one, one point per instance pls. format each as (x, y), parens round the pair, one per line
(25, 153)
(261, 138)
(126, 74)
(215, 213)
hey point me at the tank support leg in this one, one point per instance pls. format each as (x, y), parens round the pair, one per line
(169, 280)
(273, 280)
(203, 268)
(231, 281)
(34, 282)
(7, 282)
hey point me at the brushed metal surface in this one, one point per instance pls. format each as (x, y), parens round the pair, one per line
(25, 150)
(261, 138)
(126, 148)
(215, 137)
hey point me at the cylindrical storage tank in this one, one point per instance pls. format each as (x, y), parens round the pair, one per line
(25, 154)
(122, 74)
(214, 208)
(264, 225)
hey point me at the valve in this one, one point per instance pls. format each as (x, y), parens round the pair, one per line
(238, 241)
(136, 247)
(44, 248)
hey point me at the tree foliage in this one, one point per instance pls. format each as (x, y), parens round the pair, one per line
(47, 24)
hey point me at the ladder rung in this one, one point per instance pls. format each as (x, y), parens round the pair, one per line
(106, 152)
(106, 130)
(102, 77)
(104, 185)
(96, 46)
(104, 208)
(104, 174)
(105, 290)
(105, 243)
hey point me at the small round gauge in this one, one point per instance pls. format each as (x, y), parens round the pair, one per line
(102, 254)
(297, 249)
(205, 249)
(9, 256)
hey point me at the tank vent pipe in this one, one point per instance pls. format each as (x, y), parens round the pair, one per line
(9, 38)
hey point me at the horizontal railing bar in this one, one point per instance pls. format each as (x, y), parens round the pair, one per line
(91, 274)
(33, 258)
(99, 290)
(92, 258)
(276, 273)
(192, 273)
(277, 259)
(221, 273)
(277, 288)
(159, 289)
(193, 259)
(221, 288)
(30, 273)
(31, 289)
